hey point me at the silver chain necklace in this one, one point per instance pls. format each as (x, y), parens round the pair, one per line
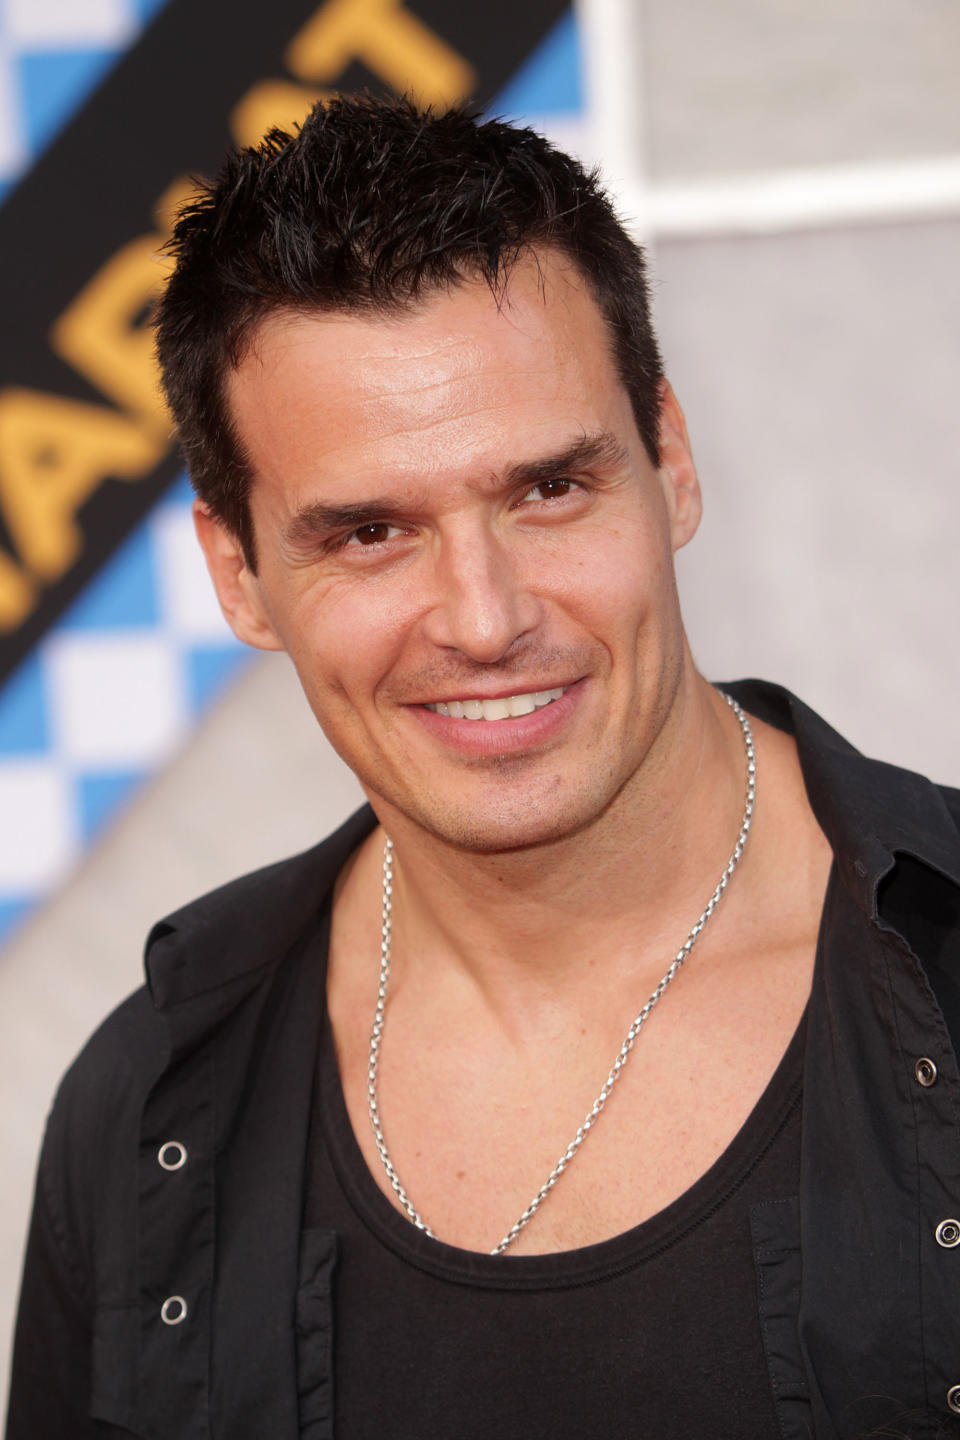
(376, 1034)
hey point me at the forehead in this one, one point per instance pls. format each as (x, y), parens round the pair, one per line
(450, 387)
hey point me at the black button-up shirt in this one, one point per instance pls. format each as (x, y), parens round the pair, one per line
(170, 1289)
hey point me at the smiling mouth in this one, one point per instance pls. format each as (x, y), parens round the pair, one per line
(505, 707)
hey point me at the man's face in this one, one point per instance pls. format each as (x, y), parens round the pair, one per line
(466, 551)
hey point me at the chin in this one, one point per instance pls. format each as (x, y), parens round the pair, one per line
(479, 836)
(512, 822)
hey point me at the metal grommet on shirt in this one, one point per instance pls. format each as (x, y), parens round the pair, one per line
(172, 1155)
(925, 1071)
(953, 1399)
(173, 1310)
(948, 1233)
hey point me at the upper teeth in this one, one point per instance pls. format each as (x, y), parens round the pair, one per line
(500, 709)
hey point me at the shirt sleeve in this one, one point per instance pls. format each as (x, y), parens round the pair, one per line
(50, 1381)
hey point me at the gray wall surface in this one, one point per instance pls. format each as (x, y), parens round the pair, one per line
(819, 374)
(756, 84)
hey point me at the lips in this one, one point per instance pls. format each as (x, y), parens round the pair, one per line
(504, 707)
(543, 717)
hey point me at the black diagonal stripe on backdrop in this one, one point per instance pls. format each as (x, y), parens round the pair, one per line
(162, 113)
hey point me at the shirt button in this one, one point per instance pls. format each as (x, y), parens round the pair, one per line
(948, 1234)
(172, 1155)
(926, 1072)
(953, 1398)
(173, 1310)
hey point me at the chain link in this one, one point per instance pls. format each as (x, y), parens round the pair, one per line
(376, 1033)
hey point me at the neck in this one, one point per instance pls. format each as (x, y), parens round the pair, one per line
(623, 892)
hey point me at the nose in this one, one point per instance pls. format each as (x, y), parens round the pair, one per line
(483, 603)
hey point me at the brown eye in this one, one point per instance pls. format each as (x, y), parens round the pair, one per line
(550, 489)
(374, 534)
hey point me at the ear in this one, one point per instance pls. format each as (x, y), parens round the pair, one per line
(238, 589)
(678, 474)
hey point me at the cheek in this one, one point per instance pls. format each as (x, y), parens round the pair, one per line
(617, 575)
(343, 643)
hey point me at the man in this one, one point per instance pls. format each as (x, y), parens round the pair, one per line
(412, 367)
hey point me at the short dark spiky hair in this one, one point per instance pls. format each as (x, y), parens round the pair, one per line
(369, 206)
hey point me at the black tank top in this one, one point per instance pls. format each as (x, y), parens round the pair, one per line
(654, 1333)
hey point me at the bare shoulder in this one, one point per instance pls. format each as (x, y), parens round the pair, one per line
(793, 856)
(785, 795)
(355, 941)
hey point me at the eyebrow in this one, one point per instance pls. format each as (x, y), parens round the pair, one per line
(600, 450)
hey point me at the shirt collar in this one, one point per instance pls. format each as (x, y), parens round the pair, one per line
(237, 932)
(869, 811)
